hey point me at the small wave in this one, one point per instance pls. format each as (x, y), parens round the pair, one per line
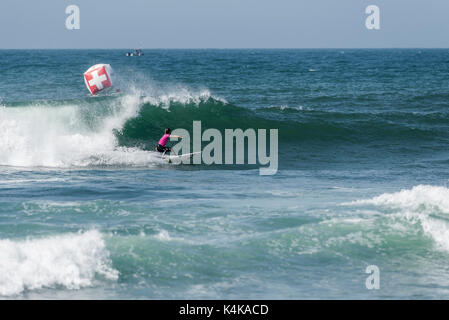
(71, 261)
(424, 204)
(421, 198)
(284, 108)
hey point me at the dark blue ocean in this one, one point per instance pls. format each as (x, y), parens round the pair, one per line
(88, 209)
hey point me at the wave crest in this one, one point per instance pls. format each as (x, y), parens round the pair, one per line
(424, 204)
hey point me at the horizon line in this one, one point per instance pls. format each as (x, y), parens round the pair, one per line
(235, 48)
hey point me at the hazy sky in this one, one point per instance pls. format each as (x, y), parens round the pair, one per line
(223, 24)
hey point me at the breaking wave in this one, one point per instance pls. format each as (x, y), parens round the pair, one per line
(122, 130)
(72, 261)
(424, 205)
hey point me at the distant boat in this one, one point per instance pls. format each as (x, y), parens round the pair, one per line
(136, 52)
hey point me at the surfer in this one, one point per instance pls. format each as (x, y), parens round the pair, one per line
(161, 146)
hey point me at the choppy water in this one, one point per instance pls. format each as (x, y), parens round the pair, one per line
(88, 210)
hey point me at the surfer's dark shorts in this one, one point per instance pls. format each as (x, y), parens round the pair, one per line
(163, 148)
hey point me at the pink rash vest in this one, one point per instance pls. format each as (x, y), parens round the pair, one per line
(164, 139)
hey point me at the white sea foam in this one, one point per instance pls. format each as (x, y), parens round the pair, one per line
(50, 136)
(422, 198)
(424, 204)
(294, 108)
(163, 236)
(71, 261)
(181, 95)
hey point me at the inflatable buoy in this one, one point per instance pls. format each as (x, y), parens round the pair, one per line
(98, 78)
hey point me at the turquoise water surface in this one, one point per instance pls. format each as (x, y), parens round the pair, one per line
(88, 210)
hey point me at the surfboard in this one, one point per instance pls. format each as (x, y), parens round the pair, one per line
(181, 156)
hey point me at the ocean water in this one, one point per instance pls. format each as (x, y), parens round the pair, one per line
(89, 211)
